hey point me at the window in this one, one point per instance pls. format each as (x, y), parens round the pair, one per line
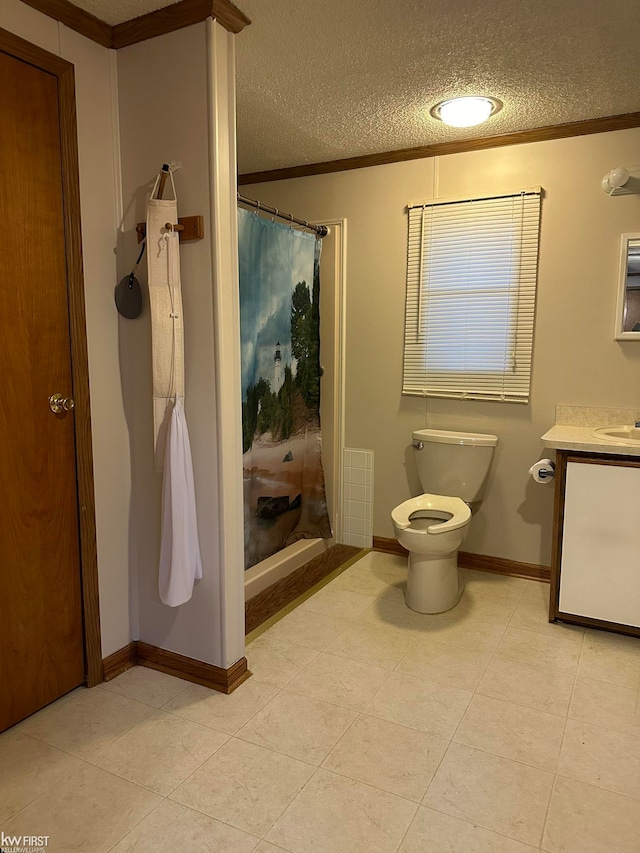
(471, 291)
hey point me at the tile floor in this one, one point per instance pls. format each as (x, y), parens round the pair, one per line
(366, 728)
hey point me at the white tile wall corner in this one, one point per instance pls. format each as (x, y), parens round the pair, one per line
(357, 485)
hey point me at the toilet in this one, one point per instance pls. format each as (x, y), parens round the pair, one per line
(453, 467)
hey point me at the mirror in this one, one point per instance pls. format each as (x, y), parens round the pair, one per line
(628, 312)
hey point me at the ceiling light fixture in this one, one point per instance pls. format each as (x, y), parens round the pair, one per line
(466, 112)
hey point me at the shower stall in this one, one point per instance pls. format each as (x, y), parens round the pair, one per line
(284, 561)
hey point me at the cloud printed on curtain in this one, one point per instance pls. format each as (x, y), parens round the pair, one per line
(284, 491)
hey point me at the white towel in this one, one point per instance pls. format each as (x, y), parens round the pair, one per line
(180, 561)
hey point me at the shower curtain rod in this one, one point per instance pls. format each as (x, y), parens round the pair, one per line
(320, 230)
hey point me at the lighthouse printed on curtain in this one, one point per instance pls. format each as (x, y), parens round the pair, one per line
(284, 491)
(277, 370)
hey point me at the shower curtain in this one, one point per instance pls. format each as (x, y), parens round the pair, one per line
(284, 490)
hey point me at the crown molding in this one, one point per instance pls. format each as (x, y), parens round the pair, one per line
(165, 20)
(229, 16)
(75, 18)
(539, 134)
(177, 16)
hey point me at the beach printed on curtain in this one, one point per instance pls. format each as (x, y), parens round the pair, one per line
(284, 490)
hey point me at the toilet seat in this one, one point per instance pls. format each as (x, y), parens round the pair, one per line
(459, 510)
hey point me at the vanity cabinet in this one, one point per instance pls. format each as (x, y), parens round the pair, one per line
(595, 573)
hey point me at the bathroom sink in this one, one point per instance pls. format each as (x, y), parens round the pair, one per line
(622, 434)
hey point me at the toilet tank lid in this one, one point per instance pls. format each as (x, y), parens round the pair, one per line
(441, 436)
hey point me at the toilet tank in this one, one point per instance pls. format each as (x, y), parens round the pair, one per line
(453, 463)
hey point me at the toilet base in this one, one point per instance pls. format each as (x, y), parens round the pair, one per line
(433, 583)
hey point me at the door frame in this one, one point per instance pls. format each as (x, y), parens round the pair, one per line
(64, 72)
(339, 331)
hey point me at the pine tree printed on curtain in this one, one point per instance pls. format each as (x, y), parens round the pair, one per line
(284, 491)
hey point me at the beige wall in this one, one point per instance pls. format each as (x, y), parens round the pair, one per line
(98, 209)
(163, 117)
(576, 360)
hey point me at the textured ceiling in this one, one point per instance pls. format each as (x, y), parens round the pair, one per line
(322, 81)
(342, 78)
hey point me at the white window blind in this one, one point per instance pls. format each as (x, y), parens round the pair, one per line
(471, 293)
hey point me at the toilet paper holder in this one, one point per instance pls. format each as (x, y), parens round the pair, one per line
(543, 470)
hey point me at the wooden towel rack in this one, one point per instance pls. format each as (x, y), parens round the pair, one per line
(188, 227)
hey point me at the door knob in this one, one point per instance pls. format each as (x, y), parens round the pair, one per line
(59, 404)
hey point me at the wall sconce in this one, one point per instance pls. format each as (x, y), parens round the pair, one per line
(622, 181)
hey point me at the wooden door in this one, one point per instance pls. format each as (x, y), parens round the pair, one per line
(41, 608)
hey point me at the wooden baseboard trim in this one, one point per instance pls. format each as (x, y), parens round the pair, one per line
(267, 603)
(119, 661)
(500, 566)
(138, 653)
(198, 672)
(389, 546)
(479, 562)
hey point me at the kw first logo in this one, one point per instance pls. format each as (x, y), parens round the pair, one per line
(22, 843)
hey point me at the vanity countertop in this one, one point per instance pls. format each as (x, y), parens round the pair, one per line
(581, 438)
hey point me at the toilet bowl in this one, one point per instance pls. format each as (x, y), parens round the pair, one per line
(432, 529)
(432, 526)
